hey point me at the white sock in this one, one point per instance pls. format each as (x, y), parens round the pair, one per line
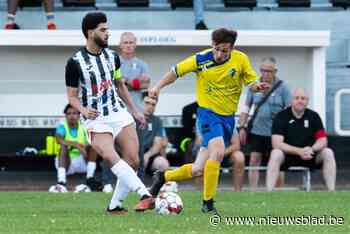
(61, 175)
(90, 169)
(121, 191)
(128, 177)
(10, 18)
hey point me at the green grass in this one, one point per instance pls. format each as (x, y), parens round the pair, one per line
(38, 212)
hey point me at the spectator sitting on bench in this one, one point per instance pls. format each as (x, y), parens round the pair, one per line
(299, 139)
(152, 140)
(74, 150)
(266, 106)
(234, 158)
(12, 6)
(152, 144)
(189, 144)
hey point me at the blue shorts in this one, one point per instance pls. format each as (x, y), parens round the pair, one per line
(212, 125)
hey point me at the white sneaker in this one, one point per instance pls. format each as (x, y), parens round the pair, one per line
(107, 188)
(58, 188)
(82, 188)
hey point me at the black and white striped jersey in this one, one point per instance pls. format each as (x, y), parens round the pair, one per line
(95, 76)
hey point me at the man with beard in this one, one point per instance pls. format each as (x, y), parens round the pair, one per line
(299, 139)
(95, 87)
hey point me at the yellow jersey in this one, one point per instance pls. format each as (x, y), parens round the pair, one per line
(218, 86)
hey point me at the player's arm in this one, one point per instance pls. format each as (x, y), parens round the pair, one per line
(250, 77)
(72, 81)
(320, 144)
(259, 86)
(279, 127)
(243, 118)
(169, 78)
(60, 134)
(320, 135)
(278, 143)
(158, 145)
(142, 81)
(186, 66)
(124, 94)
(234, 146)
(155, 149)
(60, 140)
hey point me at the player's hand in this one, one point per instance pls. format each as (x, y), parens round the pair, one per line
(81, 148)
(89, 113)
(153, 92)
(242, 136)
(307, 153)
(145, 80)
(262, 86)
(140, 118)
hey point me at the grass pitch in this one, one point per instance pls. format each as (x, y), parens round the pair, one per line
(39, 212)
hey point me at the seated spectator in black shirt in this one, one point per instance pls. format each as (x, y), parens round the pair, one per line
(299, 139)
(190, 143)
(152, 140)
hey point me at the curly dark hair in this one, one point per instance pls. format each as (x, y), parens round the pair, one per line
(91, 20)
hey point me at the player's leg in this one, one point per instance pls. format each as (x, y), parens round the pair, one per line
(277, 158)
(107, 177)
(190, 170)
(91, 157)
(91, 162)
(159, 163)
(216, 149)
(198, 167)
(183, 173)
(280, 180)
(329, 167)
(128, 145)
(11, 14)
(63, 163)
(186, 171)
(127, 140)
(50, 16)
(238, 167)
(216, 132)
(103, 144)
(253, 175)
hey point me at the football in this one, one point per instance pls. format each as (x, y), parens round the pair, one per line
(170, 186)
(168, 203)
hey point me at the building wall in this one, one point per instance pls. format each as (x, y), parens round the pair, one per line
(337, 21)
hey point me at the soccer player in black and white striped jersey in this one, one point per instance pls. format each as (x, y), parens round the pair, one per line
(95, 87)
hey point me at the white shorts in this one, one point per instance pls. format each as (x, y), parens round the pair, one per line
(77, 165)
(113, 123)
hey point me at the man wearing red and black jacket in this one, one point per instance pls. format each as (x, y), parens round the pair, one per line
(299, 139)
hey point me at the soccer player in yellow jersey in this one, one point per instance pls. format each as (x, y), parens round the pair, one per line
(222, 71)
